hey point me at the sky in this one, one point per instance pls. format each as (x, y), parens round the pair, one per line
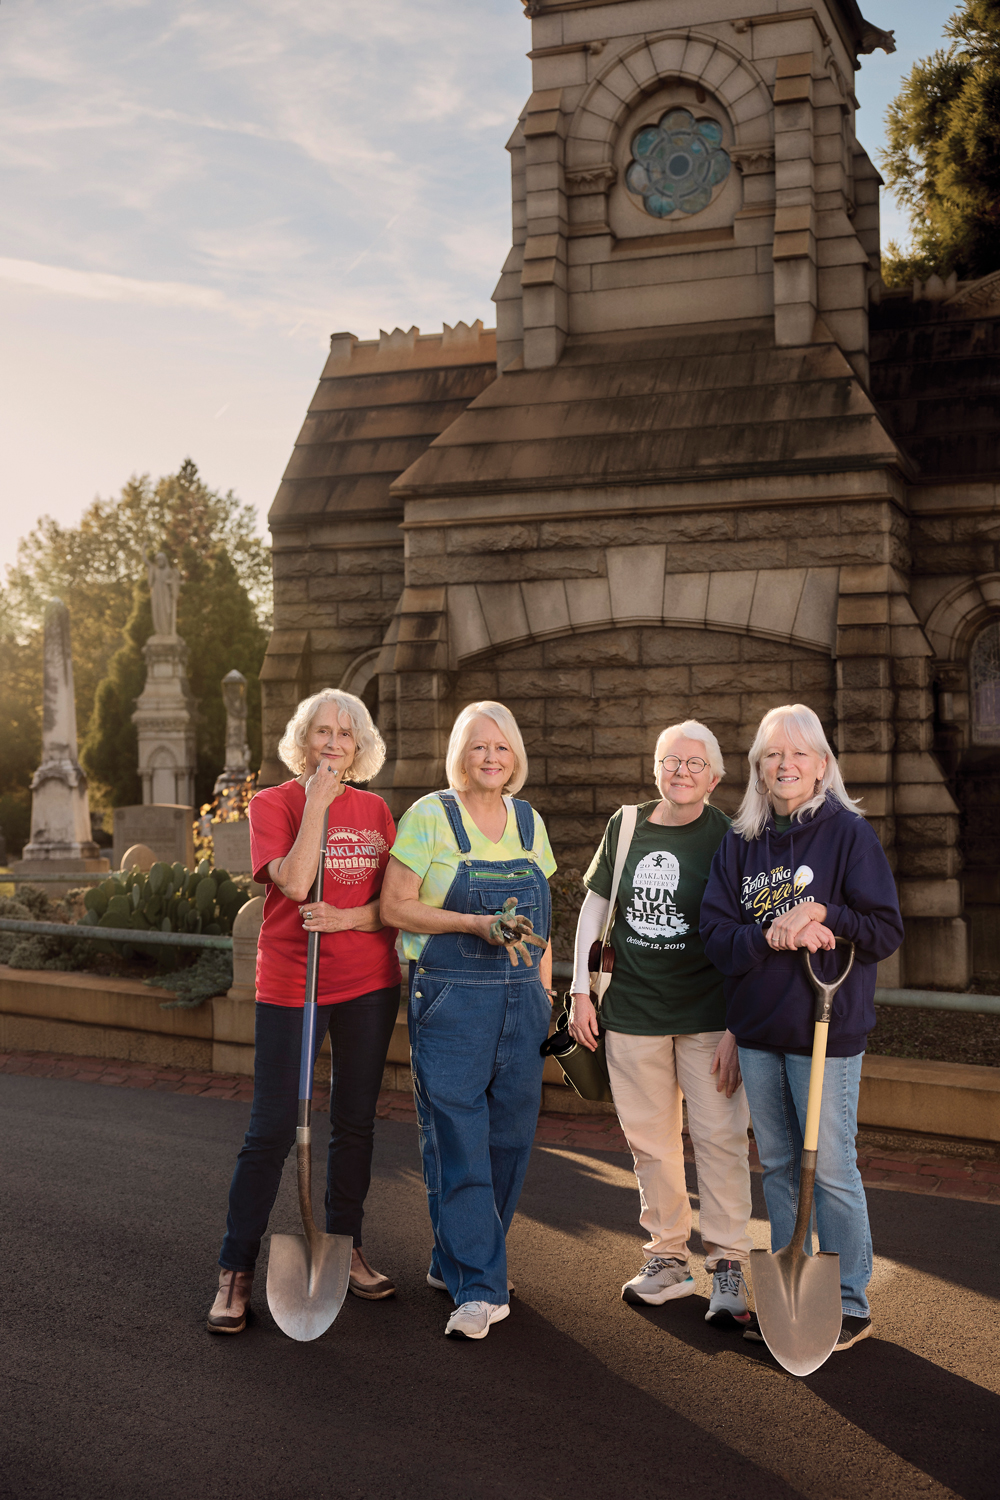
(198, 192)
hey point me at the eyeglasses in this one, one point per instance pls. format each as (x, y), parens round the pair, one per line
(672, 764)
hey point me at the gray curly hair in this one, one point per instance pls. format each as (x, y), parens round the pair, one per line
(369, 754)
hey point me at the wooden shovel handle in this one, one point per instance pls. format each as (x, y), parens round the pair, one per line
(824, 1010)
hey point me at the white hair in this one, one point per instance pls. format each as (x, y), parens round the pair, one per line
(461, 735)
(804, 730)
(692, 730)
(369, 747)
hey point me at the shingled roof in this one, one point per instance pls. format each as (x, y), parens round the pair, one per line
(377, 407)
(659, 406)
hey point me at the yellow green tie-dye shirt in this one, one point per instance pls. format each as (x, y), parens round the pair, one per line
(426, 845)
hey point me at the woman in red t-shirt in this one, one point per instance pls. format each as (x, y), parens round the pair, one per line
(330, 739)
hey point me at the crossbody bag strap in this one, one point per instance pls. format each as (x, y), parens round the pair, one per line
(626, 832)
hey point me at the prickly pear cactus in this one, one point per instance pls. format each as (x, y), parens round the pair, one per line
(170, 898)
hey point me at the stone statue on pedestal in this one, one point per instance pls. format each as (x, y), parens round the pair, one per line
(164, 586)
(60, 814)
(165, 711)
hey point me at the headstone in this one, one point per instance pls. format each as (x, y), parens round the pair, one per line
(139, 857)
(246, 932)
(166, 829)
(231, 845)
(165, 710)
(60, 816)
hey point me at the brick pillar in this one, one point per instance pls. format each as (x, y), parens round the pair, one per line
(885, 727)
(422, 717)
(795, 285)
(545, 306)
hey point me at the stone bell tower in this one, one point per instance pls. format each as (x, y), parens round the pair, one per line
(681, 162)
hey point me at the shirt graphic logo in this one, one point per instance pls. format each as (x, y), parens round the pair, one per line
(353, 854)
(803, 877)
(651, 910)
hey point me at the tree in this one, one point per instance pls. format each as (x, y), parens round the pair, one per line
(93, 568)
(943, 156)
(20, 743)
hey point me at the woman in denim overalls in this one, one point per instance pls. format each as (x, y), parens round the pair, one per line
(478, 1014)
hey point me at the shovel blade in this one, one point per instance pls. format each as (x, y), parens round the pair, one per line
(306, 1286)
(799, 1306)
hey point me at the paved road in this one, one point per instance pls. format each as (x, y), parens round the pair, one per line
(109, 1226)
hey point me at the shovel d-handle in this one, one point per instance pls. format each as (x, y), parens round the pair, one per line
(824, 1010)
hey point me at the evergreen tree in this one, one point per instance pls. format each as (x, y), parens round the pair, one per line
(943, 157)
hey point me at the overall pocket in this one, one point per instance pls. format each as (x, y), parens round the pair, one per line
(427, 996)
(488, 890)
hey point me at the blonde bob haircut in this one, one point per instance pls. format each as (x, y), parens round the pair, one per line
(805, 732)
(461, 738)
(369, 747)
(691, 730)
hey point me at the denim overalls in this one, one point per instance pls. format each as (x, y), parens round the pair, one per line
(476, 1026)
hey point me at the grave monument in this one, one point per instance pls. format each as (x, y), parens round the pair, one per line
(231, 836)
(60, 815)
(165, 711)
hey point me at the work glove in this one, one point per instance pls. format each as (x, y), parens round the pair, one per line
(514, 932)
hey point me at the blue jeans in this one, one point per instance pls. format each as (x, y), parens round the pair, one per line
(477, 1077)
(777, 1087)
(360, 1030)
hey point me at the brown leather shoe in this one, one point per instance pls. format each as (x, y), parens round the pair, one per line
(368, 1283)
(229, 1310)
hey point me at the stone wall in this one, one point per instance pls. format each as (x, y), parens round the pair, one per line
(590, 707)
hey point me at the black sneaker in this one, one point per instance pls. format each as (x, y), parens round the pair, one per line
(851, 1330)
(752, 1332)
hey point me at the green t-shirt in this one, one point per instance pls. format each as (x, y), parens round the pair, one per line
(782, 824)
(662, 985)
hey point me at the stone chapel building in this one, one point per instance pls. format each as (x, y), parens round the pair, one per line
(705, 464)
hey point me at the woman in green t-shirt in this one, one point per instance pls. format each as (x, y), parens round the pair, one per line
(664, 1019)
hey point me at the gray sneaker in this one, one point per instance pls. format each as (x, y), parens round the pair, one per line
(728, 1305)
(659, 1281)
(472, 1320)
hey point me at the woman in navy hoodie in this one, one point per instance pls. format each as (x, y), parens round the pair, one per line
(800, 867)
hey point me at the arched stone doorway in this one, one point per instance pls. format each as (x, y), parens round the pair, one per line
(591, 704)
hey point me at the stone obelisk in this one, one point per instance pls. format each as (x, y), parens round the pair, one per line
(165, 710)
(60, 814)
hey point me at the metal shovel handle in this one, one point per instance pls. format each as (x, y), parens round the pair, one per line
(825, 992)
(303, 1133)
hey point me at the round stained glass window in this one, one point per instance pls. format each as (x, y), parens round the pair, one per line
(677, 164)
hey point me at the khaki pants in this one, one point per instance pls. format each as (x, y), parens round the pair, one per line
(649, 1077)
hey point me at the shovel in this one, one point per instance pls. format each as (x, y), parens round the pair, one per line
(797, 1296)
(308, 1274)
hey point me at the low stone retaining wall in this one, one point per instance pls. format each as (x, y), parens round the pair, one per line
(88, 1016)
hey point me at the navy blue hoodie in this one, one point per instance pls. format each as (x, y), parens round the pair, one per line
(833, 857)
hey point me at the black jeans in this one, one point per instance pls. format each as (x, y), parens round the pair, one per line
(360, 1030)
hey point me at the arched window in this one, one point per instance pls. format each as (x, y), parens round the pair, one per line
(984, 682)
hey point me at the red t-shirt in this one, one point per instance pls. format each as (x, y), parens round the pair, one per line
(357, 852)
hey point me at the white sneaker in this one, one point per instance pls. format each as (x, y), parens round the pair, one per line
(472, 1320)
(442, 1286)
(728, 1304)
(659, 1281)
